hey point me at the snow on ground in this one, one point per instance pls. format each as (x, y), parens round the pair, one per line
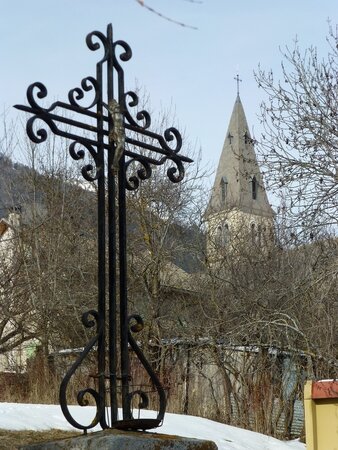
(22, 416)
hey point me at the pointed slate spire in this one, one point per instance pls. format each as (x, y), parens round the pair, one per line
(238, 182)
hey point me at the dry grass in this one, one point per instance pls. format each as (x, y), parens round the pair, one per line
(11, 440)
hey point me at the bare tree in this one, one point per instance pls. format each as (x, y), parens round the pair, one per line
(299, 145)
(269, 318)
(49, 264)
(58, 233)
(164, 219)
(16, 312)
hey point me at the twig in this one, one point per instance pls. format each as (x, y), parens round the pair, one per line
(149, 8)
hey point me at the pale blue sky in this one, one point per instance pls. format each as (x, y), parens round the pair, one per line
(44, 40)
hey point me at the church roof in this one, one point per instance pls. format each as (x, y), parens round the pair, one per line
(238, 182)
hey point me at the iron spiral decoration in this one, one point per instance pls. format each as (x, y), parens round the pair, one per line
(82, 396)
(112, 138)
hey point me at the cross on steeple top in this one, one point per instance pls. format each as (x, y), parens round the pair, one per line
(238, 81)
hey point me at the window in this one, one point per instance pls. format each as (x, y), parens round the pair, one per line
(254, 187)
(230, 136)
(224, 188)
(246, 138)
(218, 237)
(225, 233)
(222, 235)
(253, 233)
(259, 235)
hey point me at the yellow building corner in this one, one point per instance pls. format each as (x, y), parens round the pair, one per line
(321, 414)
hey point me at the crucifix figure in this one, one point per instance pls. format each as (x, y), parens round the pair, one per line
(123, 152)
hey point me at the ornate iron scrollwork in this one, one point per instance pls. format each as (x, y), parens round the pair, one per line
(108, 131)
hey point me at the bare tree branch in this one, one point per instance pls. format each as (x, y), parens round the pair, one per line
(169, 19)
(299, 145)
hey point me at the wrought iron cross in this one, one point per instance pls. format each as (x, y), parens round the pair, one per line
(115, 140)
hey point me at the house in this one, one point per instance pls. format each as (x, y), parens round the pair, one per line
(16, 344)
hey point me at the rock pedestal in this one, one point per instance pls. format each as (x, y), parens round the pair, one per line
(124, 440)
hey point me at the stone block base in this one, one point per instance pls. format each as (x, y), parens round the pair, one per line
(124, 440)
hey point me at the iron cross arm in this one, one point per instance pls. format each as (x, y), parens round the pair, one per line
(111, 126)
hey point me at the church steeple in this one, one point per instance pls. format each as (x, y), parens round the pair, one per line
(239, 212)
(238, 182)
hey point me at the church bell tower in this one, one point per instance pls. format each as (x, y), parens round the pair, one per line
(238, 211)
